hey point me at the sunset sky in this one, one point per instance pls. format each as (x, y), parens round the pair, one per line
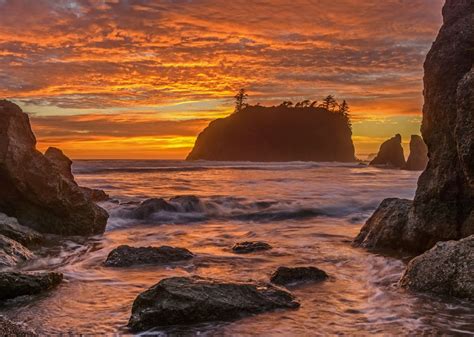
(140, 79)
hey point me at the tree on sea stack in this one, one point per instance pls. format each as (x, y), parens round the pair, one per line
(344, 110)
(329, 103)
(240, 99)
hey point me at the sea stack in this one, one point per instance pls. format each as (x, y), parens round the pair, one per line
(390, 154)
(443, 208)
(280, 133)
(418, 158)
(34, 190)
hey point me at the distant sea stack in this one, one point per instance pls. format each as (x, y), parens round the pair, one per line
(281, 133)
(418, 158)
(390, 154)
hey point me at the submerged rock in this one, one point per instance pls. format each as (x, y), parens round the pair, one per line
(37, 194)
(418, 158)
(188, 203)
(12, 252)
(150, 206)
(258, 133)
(14, 284)
(13, 329)
(13, 230)
(285, 275)
(189, 300)
(126, 256)
(387, 227)
(250, 247)
(390, 154)
(446, 269)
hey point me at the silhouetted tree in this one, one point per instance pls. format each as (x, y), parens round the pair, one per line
(344, 111)
(240, 99)
(287, 104)
(305, 103)
(329, 103)
(313, 104)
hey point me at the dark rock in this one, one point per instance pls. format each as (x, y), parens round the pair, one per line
(390, 154)
(387, 227)
(446, 269)
(259, 133)
(418, 158)
(37, 194)
(13, 230)
(13, 329)
(12, 252)
(94, 194)
(285, 275)
(188, 203)
(250, 247)
(189, 300)
(14, 284)
(150, 206)
(126, 256)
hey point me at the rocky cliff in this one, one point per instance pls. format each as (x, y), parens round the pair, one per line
(390, 154)
(418, 158)
(33, 190)
(276, 134)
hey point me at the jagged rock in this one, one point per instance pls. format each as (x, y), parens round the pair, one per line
(189, 300)
(126, 256)
(14, 284)
(286, 276)
(387, 227)
(446, 269)
(10, 228)
(259, 133)
(250, 247)
(150, 206)
(390, 154)
(418, 158)
(13, 329)
(12, 252)
(37, 194)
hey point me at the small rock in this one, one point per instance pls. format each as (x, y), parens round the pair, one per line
(126, 256)
(150, 206)
(188, 203)
(12, 252)
(446, 269)
(285, 275)
(95, 195)
(13, 230)
(14, 284)
(250, 247)
(13, 329)
(190, 300)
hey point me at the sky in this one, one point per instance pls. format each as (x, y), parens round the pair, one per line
(142, 78)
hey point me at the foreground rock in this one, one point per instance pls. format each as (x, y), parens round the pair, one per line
(250, 247)
(33, 189)
(189, 300)
(418, 158)
(446, 269)
(14, 284)
(126, 256)
(10, 228)
(259, 133)
(288, 276)
(12, 252)
(390, 154)
(10, 328)
(387, 227)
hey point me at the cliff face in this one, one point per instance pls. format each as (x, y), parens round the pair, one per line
(390, 153)
(276, 134)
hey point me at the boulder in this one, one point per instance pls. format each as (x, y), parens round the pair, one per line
(126, 256)
(190, 300)
(13, 329)
(250, 247)
(37, 194)
(94, 194)
(418, 158)
(12, 252)
(390, 154)
(150, 206)
(14, 284)
(446, 269)
(10, 228)
(288, 276)
(188, 203)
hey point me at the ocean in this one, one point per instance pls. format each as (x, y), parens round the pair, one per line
(309, 212)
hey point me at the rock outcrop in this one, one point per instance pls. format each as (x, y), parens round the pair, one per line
(126, 256)
(296, 275)
(10, 228)
(190, 300)
(259, 133)
(13, 329)
(37, 194)
(390, 154)
(443, 208)
(14, 284)
(446, 269)
(250, 247)
(12, 252)
(418, 157)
